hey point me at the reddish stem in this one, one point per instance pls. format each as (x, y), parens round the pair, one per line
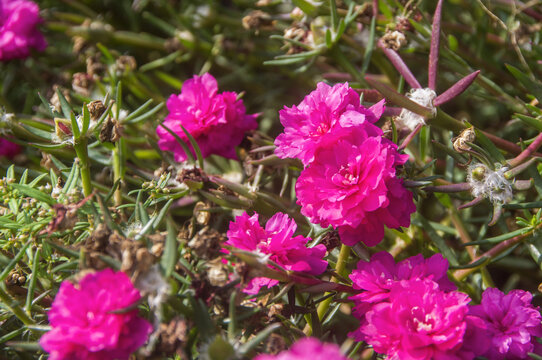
(456, 89)
(434, 51)
(400, 65)
(410, 136)
(494, 252)
(525, 154)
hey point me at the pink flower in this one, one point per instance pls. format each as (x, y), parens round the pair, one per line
(377, 276)
(277, 242)
(418, 322)
(92, 320)
(307, 348)
(511, 321)
(316, 115)
(352, 184)
(19, 31)
(8, 149)
(217, 122)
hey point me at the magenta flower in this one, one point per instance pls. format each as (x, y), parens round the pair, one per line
(316, 115)
(217, 122)
(352, 184)
(418, 322)
(307, 348)
(277, 242)
(377, 276)
(8, 149)
(93, 320)
(19, 20)
(512, 323)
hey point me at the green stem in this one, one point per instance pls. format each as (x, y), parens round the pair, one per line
(117, 172)
(12, 305)
(82, 155)
(339, 269)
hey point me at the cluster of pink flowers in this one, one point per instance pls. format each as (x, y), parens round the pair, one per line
(217, 122)
(307, 348)
(350, 179)
(19, 20)
(410, 310)
(96, 319)
(278, 243)
(8, 149)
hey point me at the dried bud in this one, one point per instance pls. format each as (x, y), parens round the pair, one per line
(257, 20)
(194, 175)
(96, 108)
(55, 101)
(466, 136)
(394, 40)
(331, 240)
(110, 131)
(207, 243)
(202, 216)
(275, 344)
(95, 68)
(403, 24)
(217, 273)
(82, 83)
(126, 63)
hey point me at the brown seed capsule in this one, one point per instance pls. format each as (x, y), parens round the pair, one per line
(394, 40)
(126, 63)
(110, 131)
(460, 142)
(257, 20)
(82, 83)
(96, 108)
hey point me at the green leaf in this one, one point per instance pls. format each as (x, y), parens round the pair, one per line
(181, 142)
(370, 47)
(308, 7)
(220, 349)
(75, 127)
(437, 239)
(47, 106)
(86, 119)
(64, 104)
(531, 121)
(169, 258)
(489, 147)
(5, 272)
(195, 146)
(533, 86)
(34, 193)
(258, 338)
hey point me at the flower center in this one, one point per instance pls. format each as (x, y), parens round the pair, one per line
(422, 322)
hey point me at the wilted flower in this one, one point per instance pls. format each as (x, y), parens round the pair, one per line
(307, 348)
(217, 122)
(512, 323)
(96, 319)
(418, 322)
(352, 184)
(423, 97)
(491, 184)
(318, 113)
(8, 149)
(278, 243)
(19, 31)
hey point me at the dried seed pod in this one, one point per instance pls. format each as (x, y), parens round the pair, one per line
(394, 40)
(110, 131)
(96, 109)
(460, 142)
